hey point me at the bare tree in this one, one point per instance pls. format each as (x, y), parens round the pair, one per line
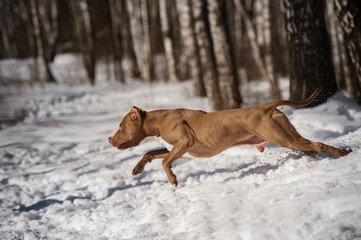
(148, 56)
(278, 38)
(34, 9)
(7, 28)
(167, 40)
(182, 67)
(84, 35)
(265, 66)
(309, 50)
(128, 43)
(139, 25)
(117, 38)
(237, 35)
(349, 16)
(336, 55)
(190, 45)
(48, 14)
(136, 33)
(268, 58)
(206, 53)
(32, 43)
(228, 80)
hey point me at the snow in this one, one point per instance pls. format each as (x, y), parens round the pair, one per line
(60, 178)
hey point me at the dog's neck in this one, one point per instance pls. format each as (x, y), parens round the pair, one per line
(150, 124)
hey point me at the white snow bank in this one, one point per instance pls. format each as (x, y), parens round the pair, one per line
(60, 179)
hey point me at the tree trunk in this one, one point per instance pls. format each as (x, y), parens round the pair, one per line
(349, 16)
(39, 40)
(205, 43)
(140, 33)
(167, 41)
(117, 38)
(237, 43)
(335, 45)
(7, 28)
(268, 58)
(258, 23)
(347, 80)
(148, 56)
(180, 52)
(229, 31)
(32, 44)
(225, 65)
(49, 24)
(278, 38)
(266, 70)
(136, 33)
(84, 34)
(190, 46)
(128, 44)
(309, 50)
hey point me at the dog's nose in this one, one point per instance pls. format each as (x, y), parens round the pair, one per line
(110, 140)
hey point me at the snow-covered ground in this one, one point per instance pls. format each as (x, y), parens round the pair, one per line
(60, 179)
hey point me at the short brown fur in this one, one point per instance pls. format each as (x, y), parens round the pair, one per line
(203, 134)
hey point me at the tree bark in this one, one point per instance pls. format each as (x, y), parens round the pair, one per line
(84, 34)
(32, 44)
(335, 45)
(136, 33)
(190, 46)
(225, 65)
(140, 33)
(229, 31)
(268, 58)
(117, 38)
(148, 56)
(7, 28)
(237, 43)
(309, 50)
(349, 16)
(128, 44)
(266, 69)
(206, 53)
(167, 41)
(49, 24)
(183, 70)
(39, 41)
(278, 38)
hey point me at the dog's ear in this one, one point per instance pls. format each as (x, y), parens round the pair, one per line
(136, 113)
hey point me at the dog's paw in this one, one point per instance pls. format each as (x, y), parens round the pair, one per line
(173, 180)
(345, 151)
(175, 183)
(138, 169)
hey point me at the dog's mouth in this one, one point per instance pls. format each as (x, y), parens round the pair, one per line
(125, 145)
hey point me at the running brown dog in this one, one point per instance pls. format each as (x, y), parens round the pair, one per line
(203, 134)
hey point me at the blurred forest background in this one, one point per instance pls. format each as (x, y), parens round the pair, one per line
(219, 44)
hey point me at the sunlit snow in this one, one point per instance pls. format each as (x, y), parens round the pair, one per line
(60, 178)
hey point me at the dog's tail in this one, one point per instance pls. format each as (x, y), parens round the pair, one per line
(293, 103)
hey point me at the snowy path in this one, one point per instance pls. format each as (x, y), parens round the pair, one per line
(60, 179)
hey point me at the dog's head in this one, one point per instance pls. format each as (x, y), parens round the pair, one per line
(130, 132)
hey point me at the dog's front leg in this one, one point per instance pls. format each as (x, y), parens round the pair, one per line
(177, 152)
(184, 136)
(148, 157)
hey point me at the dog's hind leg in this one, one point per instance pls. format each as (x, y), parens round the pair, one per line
(282, 133)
